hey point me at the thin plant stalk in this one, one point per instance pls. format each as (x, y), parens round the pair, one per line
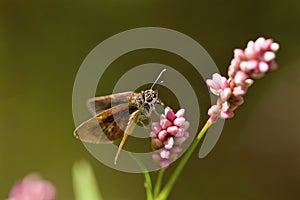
(159, 182)
(148, 181)
(148, 185)
(167, 189)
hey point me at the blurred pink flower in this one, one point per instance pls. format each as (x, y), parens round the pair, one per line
(253, 62)
(32, 187)
(168, 136)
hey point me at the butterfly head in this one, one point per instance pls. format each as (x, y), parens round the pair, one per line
(151, 96)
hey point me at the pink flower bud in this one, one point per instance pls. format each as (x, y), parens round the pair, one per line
(249, 51)
(180, 132)
(156, 127)
(231, 70)
(248, 82)
(238, 53)
(180, 113)
(162, 135)
(165, 154)
(225, 106)
(240, 77)
(226, 115)
(273, 65)
(169, 144)
(239, 90)
(268, 56)
(185, 125)
(251, 65)
(156, 143)
(164, 163)
(225, 94)
(260, 41)
(179, 140)
(220, 112)
(267, 45)
(153, 134)
(263, 67)
(217, 82)
(186, 135)
(243, 66)
(177, 149)
(172, 130)
(213, 110)
(170, 115)
(165, 123)
(167, 109)
(274, 46)
(179, 121)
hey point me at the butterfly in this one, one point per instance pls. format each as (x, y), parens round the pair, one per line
(116, 116)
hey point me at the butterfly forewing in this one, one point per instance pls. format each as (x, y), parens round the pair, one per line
(107, 126)
(98, 104)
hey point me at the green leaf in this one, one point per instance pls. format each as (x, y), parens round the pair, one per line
(84, 182)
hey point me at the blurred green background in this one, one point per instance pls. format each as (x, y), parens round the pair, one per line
(43, 43)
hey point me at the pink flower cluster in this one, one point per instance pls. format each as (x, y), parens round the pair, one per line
(168, 136)
(32, 187)
(253, 62)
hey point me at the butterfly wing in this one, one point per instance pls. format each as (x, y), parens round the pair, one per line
(107, 126)
(99, 104)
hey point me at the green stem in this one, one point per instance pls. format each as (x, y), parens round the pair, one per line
(167, 189)
(148, 182)
(148, 185)
(159, 182)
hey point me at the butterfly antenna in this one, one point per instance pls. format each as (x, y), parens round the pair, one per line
(158, 77)
(160, 82)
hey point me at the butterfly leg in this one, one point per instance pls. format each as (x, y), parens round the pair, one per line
(157, 114)
(130, 126)
(120, 147)
(143, 124)
(144, 121)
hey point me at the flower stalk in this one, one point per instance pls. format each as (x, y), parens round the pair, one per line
(159, 182)
(148, 185)
(167, 189)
